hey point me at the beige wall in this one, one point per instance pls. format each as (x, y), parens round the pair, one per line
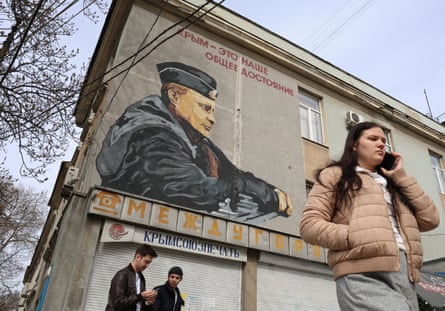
(315, 157)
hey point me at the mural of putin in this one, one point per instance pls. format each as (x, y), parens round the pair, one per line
(159, 148)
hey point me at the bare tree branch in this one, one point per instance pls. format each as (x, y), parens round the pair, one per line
(39, 80)
(22, 215)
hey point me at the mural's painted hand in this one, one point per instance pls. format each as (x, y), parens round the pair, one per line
(285, 205)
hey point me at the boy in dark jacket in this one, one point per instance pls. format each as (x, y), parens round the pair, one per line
(169, 297)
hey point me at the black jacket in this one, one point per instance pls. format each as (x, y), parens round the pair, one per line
(122, 295)
(165, 300)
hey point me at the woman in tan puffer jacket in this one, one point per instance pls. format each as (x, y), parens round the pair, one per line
(370, 219)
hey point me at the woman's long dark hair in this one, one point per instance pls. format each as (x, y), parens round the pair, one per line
(350, 181)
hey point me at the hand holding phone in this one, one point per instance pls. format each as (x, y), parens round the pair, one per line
(151, 296)
(388, 161)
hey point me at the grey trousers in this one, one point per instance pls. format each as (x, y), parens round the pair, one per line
(378, 291)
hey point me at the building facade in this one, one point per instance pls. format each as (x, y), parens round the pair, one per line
(139, 176)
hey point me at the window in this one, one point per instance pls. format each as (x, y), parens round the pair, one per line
(436, 161)
(310, 116)
(388, 144)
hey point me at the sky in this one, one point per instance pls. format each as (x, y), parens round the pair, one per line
(396, 46)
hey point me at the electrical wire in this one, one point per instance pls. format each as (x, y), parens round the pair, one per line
(324, 36)
(26, 33)
(27, 30)
(340, 27)
(149, 44)
(134, 62)
(61, 12)
(22, 41)
(137, 52)
(325, 25)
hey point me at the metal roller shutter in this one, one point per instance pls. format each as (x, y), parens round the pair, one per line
(205, 278)
(282, 288)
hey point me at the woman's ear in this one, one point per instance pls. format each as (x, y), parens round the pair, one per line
(354, 148)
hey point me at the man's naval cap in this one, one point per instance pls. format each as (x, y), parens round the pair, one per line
(191, 77)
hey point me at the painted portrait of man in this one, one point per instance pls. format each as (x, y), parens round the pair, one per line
(160, 149)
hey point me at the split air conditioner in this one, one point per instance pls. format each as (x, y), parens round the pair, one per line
(72, 175)
(353, 118)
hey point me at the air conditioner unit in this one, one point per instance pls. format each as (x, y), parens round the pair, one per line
(72, 175)
(353, 118)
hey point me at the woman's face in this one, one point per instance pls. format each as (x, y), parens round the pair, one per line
(370, 148)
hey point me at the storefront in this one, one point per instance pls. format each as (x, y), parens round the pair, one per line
(310, 283)
(212, 263)
(294, 284)
(204, 279)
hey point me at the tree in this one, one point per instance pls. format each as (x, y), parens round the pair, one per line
(22, 215)
(39, 80)
(9, 302)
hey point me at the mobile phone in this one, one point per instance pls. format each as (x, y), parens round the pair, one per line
(388, 161)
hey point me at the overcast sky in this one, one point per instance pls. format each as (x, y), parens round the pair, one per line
(397, 46)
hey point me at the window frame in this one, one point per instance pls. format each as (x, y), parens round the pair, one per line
(388, 144)
(312, 129)
(439, 172)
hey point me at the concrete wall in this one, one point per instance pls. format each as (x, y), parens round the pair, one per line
(73, 258)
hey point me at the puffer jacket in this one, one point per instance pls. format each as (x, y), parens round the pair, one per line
(360, 237)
